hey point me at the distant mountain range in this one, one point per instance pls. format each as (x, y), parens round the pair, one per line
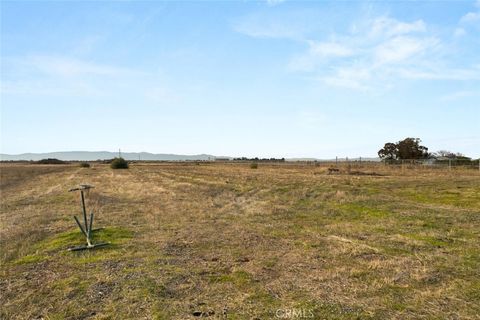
(102, 155)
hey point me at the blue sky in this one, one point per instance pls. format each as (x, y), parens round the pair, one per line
(267, 78)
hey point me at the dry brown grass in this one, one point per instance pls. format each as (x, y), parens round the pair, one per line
(226, 241)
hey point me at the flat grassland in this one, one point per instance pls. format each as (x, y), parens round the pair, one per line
(227, 241)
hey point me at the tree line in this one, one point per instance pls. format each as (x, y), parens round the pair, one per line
(259, 159)
(411, 148)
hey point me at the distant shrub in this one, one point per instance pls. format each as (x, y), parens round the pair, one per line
(333, 170)
(51, 161)
(119, 163)
(254, 165)
(84, 164)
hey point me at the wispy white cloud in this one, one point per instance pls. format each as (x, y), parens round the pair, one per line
(402, 49)
(373, 52)
(330, 49)
(51, 87)
(319, 52)
(471, 17)
(356, 77)
(472, 73)
(69, 67)
(459, 32)
(385, 26)
(63, 76)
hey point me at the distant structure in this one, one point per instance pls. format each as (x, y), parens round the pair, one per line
(222, 159)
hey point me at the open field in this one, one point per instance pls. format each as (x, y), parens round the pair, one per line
(227, 241)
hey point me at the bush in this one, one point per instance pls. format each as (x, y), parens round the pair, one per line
(84, 164)
(254, 165)
(119, 163)
(51, 161)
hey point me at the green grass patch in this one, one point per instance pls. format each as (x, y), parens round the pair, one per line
(65, 240)
(362, 210)
(431, 240)
(71, 283)
(472, 291)
(354, 211)
(239, 278)
(62, 241)
(468, 197)
(30, 258)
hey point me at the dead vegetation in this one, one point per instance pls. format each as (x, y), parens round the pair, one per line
(224, 241)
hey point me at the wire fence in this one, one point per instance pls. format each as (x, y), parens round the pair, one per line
(409, 163)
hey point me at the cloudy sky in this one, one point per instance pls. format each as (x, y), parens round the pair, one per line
(266, 78)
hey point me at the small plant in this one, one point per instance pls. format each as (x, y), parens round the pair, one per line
(254, 165)
(119, 163)
(84, 165)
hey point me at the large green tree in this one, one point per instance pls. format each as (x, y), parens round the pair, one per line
(408, 148)
(389, 151)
